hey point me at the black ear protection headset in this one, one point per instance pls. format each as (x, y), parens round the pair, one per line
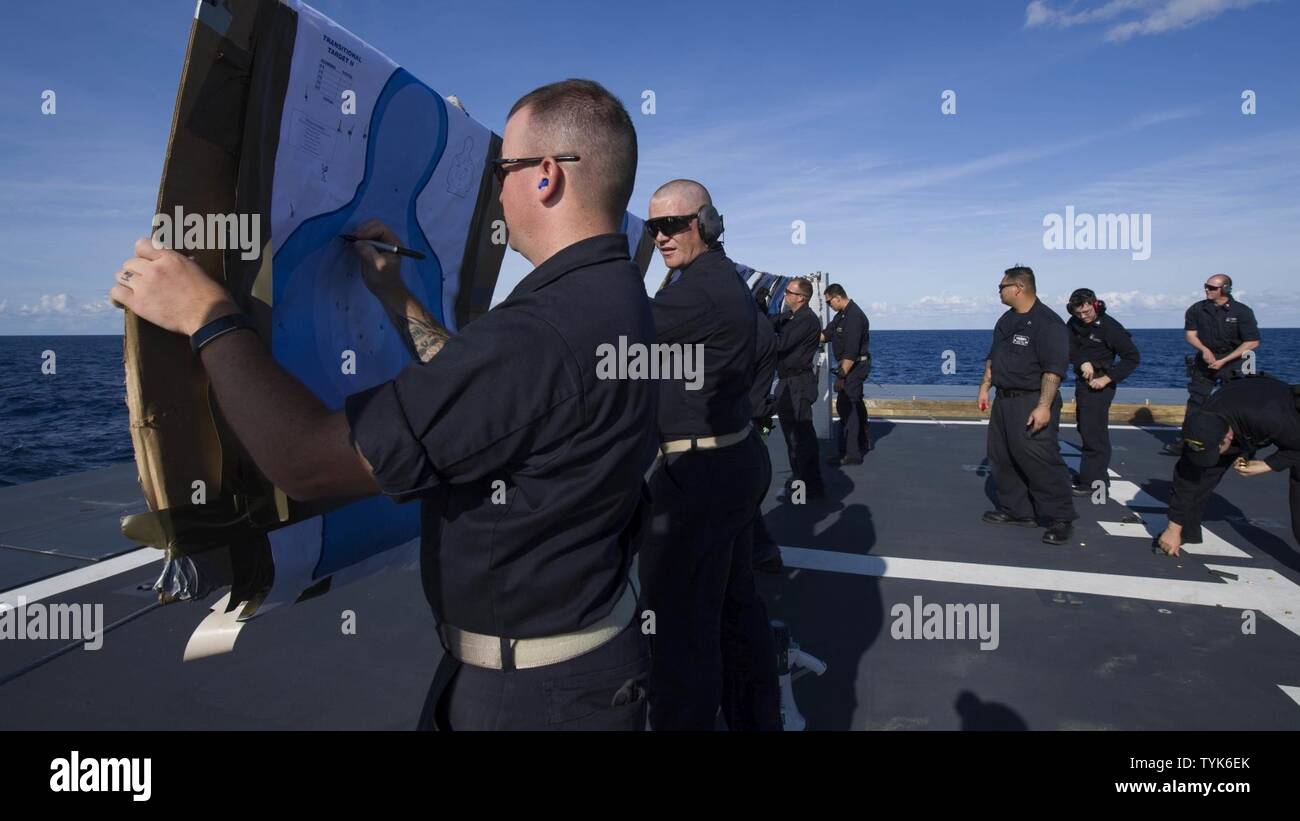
(710, 224)
(1227, 285)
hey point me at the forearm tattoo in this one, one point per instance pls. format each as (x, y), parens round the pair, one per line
(1047, 391)
(423, 335)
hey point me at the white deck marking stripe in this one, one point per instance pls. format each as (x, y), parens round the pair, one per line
(1153, 524)
(1130, 495)
(82, 576)
(1293, 692)
(938, 421)
(1254, 589)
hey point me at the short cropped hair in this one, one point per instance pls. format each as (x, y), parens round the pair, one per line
(1023, 276)
(835, 290)
(803, 286)
(583, 118)
(689, 190)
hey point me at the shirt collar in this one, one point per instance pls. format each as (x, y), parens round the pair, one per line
(1033, 309)
(702, 261)
(584, 252)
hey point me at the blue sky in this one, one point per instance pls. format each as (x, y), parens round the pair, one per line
(829, 115)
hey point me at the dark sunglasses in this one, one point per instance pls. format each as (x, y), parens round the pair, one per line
(669, 226)
(1008, 285)
(795, 293)
(1210, 287)
(499, 165)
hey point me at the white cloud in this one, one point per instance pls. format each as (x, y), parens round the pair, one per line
(1138, 301)
(63, 305)
(4, 303)
(1149, 16)
(1038, 13)
(953, 304)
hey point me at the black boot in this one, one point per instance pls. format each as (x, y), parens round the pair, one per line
(997, 517)
(1058, 533)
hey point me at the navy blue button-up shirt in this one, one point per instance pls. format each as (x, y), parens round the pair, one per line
(516, 397)
(849, 332)
(707, 305)
(1221, 328)
(1025, 346)
(1100, 342)
(798, 339)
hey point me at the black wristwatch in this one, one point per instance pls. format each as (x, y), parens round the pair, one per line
(217, 327)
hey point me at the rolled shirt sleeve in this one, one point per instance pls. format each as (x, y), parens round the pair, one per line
(829, 330)
(381, 432)
(494, 394)
(853, 329)
(1054, 349)
(682, 313)
(1247, 326)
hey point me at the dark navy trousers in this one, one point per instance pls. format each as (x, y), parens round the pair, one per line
(713, 645)
(1028, 471)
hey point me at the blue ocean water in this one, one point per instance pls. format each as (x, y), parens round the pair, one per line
(916, 357)
(75, 419)
(65, 422)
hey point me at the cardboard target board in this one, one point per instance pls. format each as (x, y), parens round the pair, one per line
(296, 130)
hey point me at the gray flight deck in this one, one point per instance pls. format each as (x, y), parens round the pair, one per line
(1098, 634)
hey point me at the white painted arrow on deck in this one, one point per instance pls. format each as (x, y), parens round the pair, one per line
(1130, 495)
(1072, 462)
(1254, 589)
(1153, 524)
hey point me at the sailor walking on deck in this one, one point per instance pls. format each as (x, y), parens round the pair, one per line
(1026, 362)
